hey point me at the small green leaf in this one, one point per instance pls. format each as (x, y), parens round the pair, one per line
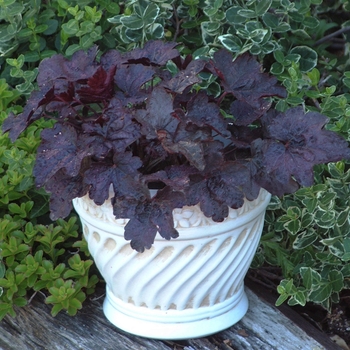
(321, 294)
(41, 28)
(113, 8)
(133, 35)
(311, 22)
(71, 27)
(300, 297)
(233, 17)
(310, 204)
(246, 13)
(306, 274)
(156, 30)
(231, 42)
(343, 217)
(282, 28)
(276, 68)
(281, 299)
(336, 278)
(305, 239)
(52, 26)
(308, 59)
(132, 22)
(314, 76)
(56, 309)
(293, 226)
(262, 6)
(72, 48)
(279, 56)
(270, 20)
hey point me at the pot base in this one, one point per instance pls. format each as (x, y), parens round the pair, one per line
(175, 324)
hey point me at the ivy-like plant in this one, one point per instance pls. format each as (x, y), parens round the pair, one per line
(125, 121)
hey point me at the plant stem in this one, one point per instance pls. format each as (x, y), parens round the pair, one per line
(332, 35)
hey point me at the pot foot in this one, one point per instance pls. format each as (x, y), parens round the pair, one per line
(175, 324)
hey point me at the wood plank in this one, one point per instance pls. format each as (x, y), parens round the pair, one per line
(264, 327)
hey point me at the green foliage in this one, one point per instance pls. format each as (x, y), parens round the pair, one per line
(146, 21)
(34, 258)
(306, 234)
(34, 252)
(17, 72)
(260, 26)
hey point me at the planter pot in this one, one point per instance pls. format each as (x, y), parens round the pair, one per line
(184, 288)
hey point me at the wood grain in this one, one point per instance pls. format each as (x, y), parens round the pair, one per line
(263, 328)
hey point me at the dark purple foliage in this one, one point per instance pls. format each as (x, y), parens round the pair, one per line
(123, 122)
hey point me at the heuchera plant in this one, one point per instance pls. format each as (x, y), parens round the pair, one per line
(124, 120)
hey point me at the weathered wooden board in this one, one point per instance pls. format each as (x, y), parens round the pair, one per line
(263, 328)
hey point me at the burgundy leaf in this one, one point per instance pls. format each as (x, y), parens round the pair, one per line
(225, 187)
(204, 113)
(116, 127)
(154, 215)
(185, 78)
(154, 52)
(140, 239)
(198, 193)
(152, 151)
(175, 177)
(244, 114)
(233, 183)
(242, 137)
(165, 201)
(158, 114)
(64, 189)
(270, 171)
(187, 140)
(100, 176)
(80, 67)
(111, 59)
(99, 87)
(131, 78)
(31, 112)
(124, 207)
(64, 92)
(295, 143)
(59, 149)
(244, 79)
(182, 63)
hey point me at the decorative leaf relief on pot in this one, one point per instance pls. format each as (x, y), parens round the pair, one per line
(183, 217)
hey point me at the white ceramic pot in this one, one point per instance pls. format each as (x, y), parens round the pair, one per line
(184, 288)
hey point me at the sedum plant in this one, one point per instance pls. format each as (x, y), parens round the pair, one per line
(35, 254)
(125, 121)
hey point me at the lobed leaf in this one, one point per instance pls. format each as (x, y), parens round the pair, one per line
(60, 148)
(154, 52)
(122, 174)
(294, 143)
(186, 77)
(31, 112)
(80, 67)
(130, 79)
(153, 215)
(244, 79)
(158, 114)
(64, 189)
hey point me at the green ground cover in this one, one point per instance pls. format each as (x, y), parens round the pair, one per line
(305, 44)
